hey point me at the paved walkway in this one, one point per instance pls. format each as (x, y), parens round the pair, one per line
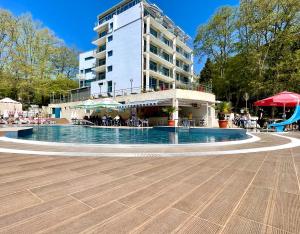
(249, 193)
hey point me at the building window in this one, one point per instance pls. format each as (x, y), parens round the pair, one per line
(102, 34)
(111, 26)
(152, 83)
(166, 56)
(101, 76)
(186, 68)
(153, 32)
(153, 66)
(166, 41)
(187, 55)
(110, 38)
(88, 70)
(109, 68)
(88, 58)
(177, 63)
(109, 86)
(101, 62)
(166, 71)
(153, 49)
(81, 71)
(118, 11)
(101, 48)
(110, 53)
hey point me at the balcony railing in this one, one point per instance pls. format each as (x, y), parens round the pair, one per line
(84, 94)
(161, 55)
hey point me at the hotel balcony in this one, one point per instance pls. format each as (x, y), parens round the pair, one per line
(183, 58)
(159, 43)
(182, 71)
(158, 26)
(160, 76)
(100, 68)
(99, 41)
(159, 59)
(99, 54)
(184, 46)
(100, 27)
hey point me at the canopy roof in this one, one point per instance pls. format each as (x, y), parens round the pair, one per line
(8, 100)
(96, 104)
(285, 98)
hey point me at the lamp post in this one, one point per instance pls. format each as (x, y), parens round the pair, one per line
(131, 81)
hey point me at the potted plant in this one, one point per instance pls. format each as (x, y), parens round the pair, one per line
(223, 108)
(170, 111)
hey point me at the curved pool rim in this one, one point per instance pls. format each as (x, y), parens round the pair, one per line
(251, 138)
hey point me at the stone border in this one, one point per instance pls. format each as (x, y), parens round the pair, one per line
(294, 142)
(252, 139)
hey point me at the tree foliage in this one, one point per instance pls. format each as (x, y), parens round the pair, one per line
(34, 63)
(254, 48)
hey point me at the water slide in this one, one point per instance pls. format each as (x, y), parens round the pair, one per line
(294, 118)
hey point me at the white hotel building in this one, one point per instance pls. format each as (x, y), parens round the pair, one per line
(141, 56)
(138, 46)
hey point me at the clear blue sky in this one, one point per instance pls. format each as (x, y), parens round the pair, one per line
(73, 20)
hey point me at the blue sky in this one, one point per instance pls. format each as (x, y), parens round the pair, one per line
(73, 20)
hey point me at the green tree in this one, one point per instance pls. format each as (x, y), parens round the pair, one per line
(33, 60)
(206, 73)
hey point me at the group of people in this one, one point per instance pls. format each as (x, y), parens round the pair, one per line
(108, 120)
(244, 120)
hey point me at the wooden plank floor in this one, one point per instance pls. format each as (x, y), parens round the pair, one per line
(249, 193)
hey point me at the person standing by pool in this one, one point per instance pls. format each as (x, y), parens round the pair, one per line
(231, 119)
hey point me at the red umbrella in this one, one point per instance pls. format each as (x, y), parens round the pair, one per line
(285, 99)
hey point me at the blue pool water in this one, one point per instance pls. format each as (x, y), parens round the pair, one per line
(87, 135)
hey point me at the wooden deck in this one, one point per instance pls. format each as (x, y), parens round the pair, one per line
(248, 193)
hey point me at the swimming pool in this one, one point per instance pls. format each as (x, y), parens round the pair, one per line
(159, 135)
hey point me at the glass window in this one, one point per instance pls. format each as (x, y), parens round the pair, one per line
(110, 53)
(153, 32)
(166, 71)
(166, 41)
(88, 58)
(88, 70)
(166, 56)
(102, 62)
(102, 34)
(109, 86)
(153, 49)
(109, 68)
(186, 68)
(153, 66)
(101, 48)
(111, 26)
(101, 76)
(152, 83)
(187, 55)
(110, 38)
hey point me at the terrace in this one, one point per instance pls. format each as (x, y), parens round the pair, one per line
(229, 193)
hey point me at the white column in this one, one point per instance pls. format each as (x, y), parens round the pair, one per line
(174, 62)
(147, 52)
(207, 117)
(176, 113)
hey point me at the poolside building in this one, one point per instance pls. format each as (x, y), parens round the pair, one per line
(143, 59)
